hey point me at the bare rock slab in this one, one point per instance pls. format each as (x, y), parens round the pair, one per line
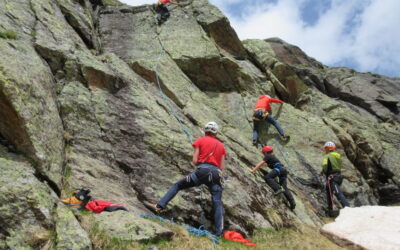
(367, 227)
(129, 227)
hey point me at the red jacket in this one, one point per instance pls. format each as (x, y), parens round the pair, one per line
(98, 206)
(235, 236)
(264, 102)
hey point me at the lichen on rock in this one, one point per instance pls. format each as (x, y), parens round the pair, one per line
(99, 90)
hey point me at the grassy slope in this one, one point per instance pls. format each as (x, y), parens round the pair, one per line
(306, 238)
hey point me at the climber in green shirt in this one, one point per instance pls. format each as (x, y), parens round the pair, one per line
(331, 168)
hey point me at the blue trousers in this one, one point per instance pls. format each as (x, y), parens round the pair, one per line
(210, 176)
(268, 119)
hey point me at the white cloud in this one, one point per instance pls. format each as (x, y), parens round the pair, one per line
(138, 2)
(377, 40)
(365, 32)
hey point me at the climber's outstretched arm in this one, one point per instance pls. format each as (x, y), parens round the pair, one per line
(258, 166)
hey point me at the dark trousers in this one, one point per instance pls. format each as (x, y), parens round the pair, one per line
(210, 176)
(282, 174)
(268, 119)
(162, 11)
(332, 187)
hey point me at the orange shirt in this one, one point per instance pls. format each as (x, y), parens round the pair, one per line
(264, 103)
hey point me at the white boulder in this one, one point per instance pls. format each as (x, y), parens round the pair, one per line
(367, 227)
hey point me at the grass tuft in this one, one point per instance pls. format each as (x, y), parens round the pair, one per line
(8, 34)
(300, 238)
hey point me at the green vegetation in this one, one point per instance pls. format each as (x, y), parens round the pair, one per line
(67, 171)
(306, 238)
(303, 238)
(99, 237)
(101, 240)
(111, 2)
(67, 190)
(94, 52)
(52, 243)
(8, 34)
(59, 88)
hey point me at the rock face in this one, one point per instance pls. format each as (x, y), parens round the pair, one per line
(95, 94)
(367, 227)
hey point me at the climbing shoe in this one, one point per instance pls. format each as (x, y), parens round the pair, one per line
(285, 136)
(279, 191)
(333, 213)
(255, 143)
(153, 207)
(292, 206)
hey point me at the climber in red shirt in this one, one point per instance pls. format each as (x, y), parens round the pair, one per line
(209, 157)
(162, 10)
(262, 112)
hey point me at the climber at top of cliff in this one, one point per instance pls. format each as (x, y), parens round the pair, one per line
(162, 10)
(209, 157)
(278, 170)
(331, 168)
(262, 112)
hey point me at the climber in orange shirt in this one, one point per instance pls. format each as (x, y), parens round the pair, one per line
(261, 113)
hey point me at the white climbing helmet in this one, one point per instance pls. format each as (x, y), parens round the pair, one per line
(330, 145)
(211, 127)
(268, 96)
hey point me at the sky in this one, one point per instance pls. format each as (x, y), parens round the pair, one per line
(359, 34)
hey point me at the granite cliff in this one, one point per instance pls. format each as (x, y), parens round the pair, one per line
(81, 106)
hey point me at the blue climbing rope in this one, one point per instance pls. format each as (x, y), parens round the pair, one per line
(164, 96)
(200, 232)
(184, 129)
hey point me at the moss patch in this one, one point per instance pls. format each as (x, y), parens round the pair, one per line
(8, 34)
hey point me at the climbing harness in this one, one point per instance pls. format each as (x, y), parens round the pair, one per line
(297, 178)
(194, 231)
(260, 114)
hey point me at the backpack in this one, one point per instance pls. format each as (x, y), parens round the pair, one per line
(78, 199)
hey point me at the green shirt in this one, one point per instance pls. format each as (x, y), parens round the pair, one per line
(334, 159)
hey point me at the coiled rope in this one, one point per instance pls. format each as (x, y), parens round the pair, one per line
(200, 232)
